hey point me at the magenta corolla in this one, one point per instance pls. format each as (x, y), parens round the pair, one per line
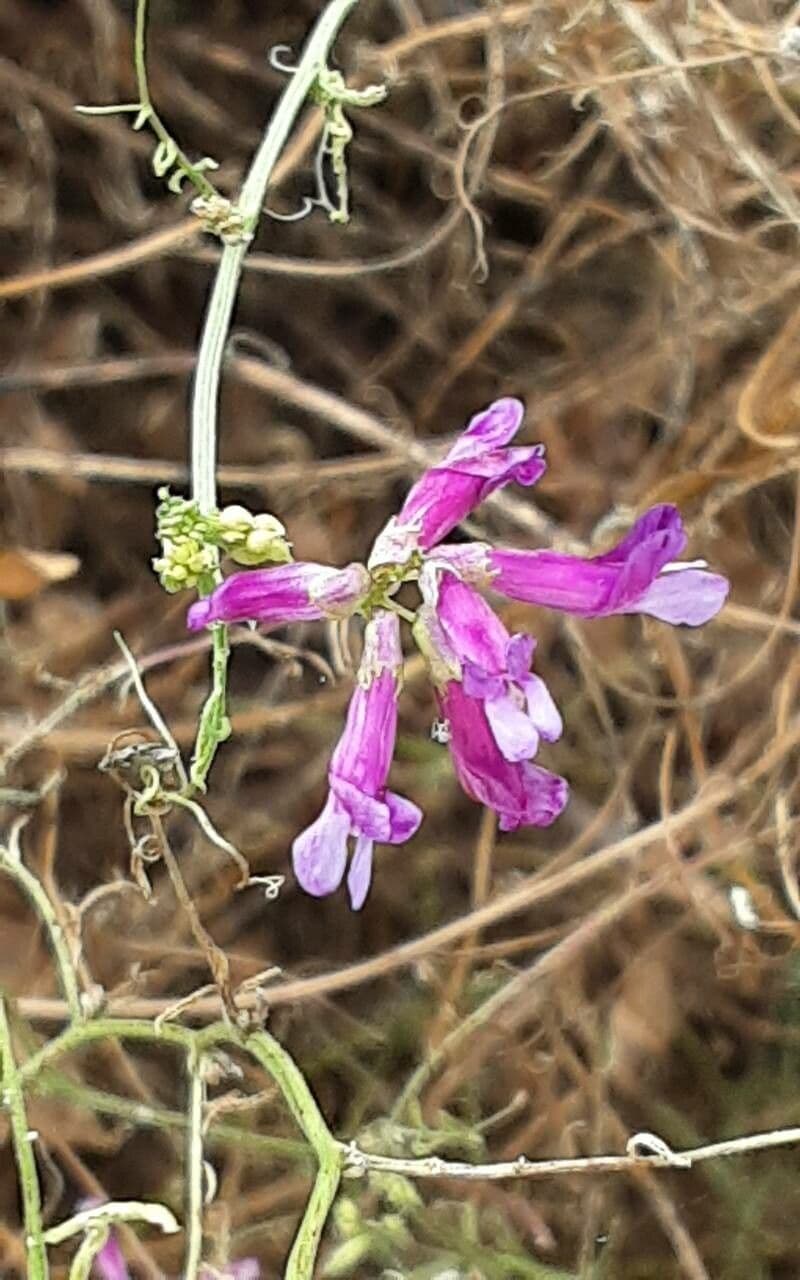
(497, 714)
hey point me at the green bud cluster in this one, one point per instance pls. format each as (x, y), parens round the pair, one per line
(250, 539)
(192, 540)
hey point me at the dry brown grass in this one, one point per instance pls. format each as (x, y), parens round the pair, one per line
(614, 238)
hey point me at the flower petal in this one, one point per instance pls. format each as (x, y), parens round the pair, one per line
(614, 582)
(445, 494)
(404, 818)
(545, 796)
(471, 625)
(360, 873)
(319, 853)
(519, 655)
(688, 596)
(661, 523)
(542, 709)
(298, 592)
(368, 815)
(522, 794)
(363, 754)
(512, 729)
(488, 430)
(479, 684)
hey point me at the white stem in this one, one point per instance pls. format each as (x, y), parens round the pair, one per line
(205, 397)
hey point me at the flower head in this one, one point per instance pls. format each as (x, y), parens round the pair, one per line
(298, 592)
(495, 711)
(358, 803)
(478, 463)
(639, 575)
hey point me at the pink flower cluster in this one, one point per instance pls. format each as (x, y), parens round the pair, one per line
(495, 712)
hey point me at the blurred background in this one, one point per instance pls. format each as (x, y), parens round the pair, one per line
(617, 244)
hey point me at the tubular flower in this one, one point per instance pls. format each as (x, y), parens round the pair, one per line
(491, 767)
(298, 592)
(495, 669)
(477, 464)
(358, 802)
(639, 575)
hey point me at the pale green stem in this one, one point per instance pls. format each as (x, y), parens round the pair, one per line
(22, 1140)
(260, 1145)
(205, 397)
(76, 1037)
(329, 1153)
(11, 862)
(194, 1166)
(153, 119)
(213, 727)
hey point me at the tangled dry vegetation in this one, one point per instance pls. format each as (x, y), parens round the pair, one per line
(595, 206)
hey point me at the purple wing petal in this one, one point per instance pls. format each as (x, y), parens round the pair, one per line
(479, 684)
(688, 596)
(545, 795)
(662, 523)
(519, 655)
(360, 873)
(404, 818)
(368, 815)
(512, 730)
(319, 853)
(488, 430)
(542, 709)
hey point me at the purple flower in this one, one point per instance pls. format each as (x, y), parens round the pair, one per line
(298, 592)
(495, 670)
(477, 464)
(485, 703)
(358, 802)
(639, 575)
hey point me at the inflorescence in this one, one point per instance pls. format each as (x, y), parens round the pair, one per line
(493, 710)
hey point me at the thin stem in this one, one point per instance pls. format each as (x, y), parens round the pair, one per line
(261, 1145)
(216, 959)
(88, 1249)
(86, 1033)
(644, 1150)
(330, 1154)
(11, 862)
(194, 1166)
(214, 726)
(218, 317)
(22, 1140)
(153, 118)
